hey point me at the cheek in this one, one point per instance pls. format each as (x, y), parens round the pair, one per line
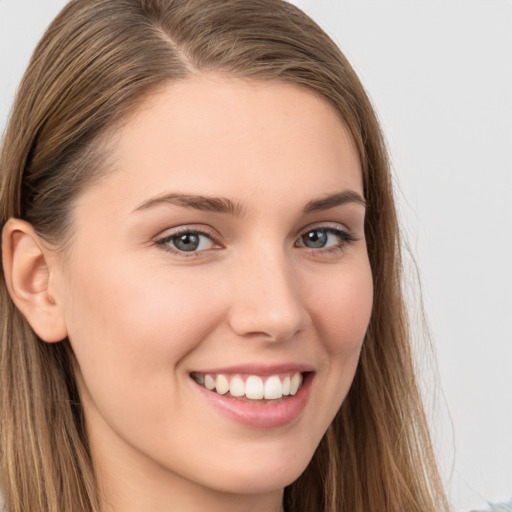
(135, 322)
(343, 308)
(340, 306)
(130, 332)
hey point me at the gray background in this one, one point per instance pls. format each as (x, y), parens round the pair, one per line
(440, 75)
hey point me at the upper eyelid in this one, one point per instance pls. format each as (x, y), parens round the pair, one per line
(325, 225)
(207, 230)
(170, 232)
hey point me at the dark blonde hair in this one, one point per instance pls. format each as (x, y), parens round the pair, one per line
(98, 60)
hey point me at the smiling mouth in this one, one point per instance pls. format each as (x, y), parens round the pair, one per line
(251, 387)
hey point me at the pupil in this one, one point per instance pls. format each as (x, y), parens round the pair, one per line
(187, 242)
(315, 239)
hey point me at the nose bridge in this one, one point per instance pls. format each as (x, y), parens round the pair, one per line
(266, 297)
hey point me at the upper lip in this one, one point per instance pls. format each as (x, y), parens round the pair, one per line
(259, 369)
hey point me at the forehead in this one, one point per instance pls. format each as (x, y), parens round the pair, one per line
(216, 135)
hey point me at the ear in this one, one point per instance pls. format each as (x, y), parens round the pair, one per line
(29, 280)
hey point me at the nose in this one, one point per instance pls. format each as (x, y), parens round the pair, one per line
(266, 300)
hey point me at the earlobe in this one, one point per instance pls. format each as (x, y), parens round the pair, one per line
(29, 279)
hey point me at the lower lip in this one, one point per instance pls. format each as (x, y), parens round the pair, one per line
(260, 414)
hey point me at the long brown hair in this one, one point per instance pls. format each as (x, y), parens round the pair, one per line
(97, 61)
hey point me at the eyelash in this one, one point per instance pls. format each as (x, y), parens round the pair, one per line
(166, 240)
(345, 236)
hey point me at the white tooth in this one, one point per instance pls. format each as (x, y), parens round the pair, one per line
(221, 384)
(295, 383)
(237, 387)
(286, 385)
(273, 388)
(209, 382)
(254, 387)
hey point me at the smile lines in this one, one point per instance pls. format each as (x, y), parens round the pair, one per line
(252, 387)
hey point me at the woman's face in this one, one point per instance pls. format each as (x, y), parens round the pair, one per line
(224, 249)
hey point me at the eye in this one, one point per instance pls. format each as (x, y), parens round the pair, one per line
(325, 238)
(188, 241)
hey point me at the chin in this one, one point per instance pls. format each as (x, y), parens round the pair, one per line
(258, 476)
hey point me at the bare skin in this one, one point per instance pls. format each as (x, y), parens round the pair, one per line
(159, 286)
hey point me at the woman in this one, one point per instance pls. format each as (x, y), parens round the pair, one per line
(201, 303)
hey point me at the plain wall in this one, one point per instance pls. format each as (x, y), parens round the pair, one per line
(440, 75)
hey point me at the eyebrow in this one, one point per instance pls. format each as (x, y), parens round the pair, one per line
(226, 206)
(198, 202)
(326, 203)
